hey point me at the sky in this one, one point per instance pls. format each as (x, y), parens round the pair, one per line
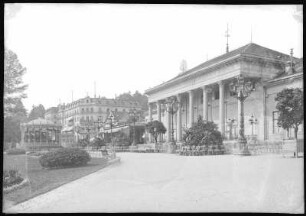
(70, 48)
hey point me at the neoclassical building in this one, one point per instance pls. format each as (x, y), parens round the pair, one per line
(205, 90)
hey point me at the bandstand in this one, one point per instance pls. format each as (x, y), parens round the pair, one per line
(40, 134)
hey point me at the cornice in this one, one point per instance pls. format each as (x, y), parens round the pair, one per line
(282, 80)
(263, 61)
(196, 73)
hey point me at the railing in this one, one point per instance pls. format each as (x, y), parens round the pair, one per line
(201, 150)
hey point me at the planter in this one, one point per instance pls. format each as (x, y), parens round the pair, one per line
(289, 147)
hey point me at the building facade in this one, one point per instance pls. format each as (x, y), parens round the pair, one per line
(205, 90)
(93, 109)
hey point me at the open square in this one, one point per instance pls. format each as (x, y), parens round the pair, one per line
(169, 183)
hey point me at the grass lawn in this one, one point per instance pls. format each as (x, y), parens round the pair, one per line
(43, 180)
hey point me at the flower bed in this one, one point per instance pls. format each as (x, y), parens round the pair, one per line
(16, 186)
(11, 177)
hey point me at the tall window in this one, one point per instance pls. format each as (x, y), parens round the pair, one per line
(216, 94)
(276, 128)
(91, 109)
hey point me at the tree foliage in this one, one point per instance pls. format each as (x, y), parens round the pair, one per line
(37, 112)
(290, 107)
(97, 143)
(13, 83)
(12, 133)
(155, 128)
(137, 97)
(139, 129)
(203, 133)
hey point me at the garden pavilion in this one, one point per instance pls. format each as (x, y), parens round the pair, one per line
(40, 134)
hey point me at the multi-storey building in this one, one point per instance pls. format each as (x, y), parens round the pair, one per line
(93, 109)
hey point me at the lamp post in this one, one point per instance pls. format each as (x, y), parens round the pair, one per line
(241, 89)
(134, 117)
(253, 121)
(172, 106)
(99, 125)
(110, 121)
(87, 128)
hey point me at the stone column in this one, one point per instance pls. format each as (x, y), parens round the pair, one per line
(179, 119)
(158, 104)
(150, 119)
(190, 107)
(221, 107)
(205, 103)
(168, 120)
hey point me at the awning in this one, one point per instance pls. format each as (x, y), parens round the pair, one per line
(68, 129)
(114, 129)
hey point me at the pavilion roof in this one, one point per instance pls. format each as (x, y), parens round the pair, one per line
(40, 121)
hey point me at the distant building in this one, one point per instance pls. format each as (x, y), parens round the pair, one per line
(51, 114)
(91, 109)
(81, 117)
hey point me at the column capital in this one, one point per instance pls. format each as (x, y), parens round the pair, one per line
(221, 82)
(179, 97)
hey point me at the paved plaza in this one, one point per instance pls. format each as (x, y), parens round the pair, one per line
(157, 182)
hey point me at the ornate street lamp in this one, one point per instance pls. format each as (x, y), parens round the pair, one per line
(99, 124)
(253, 121)
(110, 120)
(241, 89)
(134, 116)
(87, 128)
(172, 106)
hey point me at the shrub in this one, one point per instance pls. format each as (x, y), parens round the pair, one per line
(65, 157)
(203, 133)
(15, 151)
(11, 177)
(97, 143)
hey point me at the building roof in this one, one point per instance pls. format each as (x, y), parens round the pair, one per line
(52, 109)
(250, 50)
(40, 121)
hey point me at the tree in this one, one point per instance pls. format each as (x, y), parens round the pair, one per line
(97, 143)
(155, 128)
(290, 107)
(13, 83)
(12, 133)
(136, 97)
(141, 99)
(37, 112)
(204, 133)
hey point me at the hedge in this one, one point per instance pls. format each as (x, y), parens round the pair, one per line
(65, 157)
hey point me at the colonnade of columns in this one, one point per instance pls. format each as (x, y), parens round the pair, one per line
(191, 94)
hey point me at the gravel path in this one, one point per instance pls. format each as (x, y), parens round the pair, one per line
(151, 182)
